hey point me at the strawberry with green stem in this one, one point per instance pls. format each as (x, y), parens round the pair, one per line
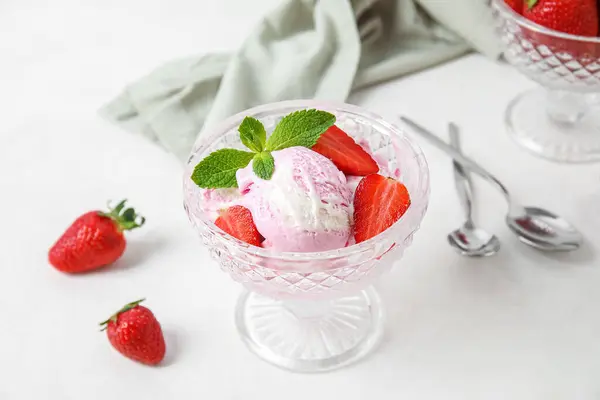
(134, 332)
(94, 240)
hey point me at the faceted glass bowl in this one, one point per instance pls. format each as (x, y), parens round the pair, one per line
(313, 311)
(561, 120)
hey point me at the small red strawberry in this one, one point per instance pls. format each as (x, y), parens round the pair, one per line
(238, 222)
(135, 333)
(94, 240)
(516, 5)
(577, 17)
(378, 203)
(345, 153)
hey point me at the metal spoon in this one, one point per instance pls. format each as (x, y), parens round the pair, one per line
(534, 226)
(468, 240)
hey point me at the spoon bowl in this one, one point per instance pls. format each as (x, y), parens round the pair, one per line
(544, 230)
(473, 242)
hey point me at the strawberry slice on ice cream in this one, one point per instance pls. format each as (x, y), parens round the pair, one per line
(379, 202)
(237, 221)
(345, 153)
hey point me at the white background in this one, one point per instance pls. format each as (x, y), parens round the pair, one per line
(521, 325)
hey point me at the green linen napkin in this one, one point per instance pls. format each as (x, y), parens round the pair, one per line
(319, 49)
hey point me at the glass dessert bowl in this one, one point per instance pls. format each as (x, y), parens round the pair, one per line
(313, 311)
(561, 120)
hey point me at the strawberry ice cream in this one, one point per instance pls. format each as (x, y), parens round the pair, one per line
(306, 186)
(215, 200)
(306, 206)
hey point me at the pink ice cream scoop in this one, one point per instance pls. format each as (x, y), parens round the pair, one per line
(306, 206)
(214, 200)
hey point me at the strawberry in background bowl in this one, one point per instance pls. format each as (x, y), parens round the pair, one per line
(554, 43)
(560, 23)
(575, 17)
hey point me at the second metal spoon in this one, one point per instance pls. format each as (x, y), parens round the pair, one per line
(533, 226)
(468, 240)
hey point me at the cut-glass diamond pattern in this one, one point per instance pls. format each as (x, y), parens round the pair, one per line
(321, 278)
(555, 62)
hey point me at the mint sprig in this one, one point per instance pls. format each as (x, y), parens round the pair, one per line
(300, 128)
(219, 168)
(253, 134)
(263, 165)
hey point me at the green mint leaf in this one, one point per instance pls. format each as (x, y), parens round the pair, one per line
(253, 134)
(300, 128)
(531, 3)
(219, 168)
(263, 165)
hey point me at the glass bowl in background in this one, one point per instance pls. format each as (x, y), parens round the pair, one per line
(561, 120)
(311, 312)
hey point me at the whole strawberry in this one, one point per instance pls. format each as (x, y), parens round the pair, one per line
(516, 5)
(94, 240)
(135, 333)
(577, 17)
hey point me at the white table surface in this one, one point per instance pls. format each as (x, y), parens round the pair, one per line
(521, 325)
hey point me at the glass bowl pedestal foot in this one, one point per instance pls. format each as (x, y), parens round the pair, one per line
(311, 335)
(556, 125)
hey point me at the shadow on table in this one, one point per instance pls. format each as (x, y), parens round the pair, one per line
(580, 257)
(173, 346)
(138, 251)
(447, 287)
(453, 295)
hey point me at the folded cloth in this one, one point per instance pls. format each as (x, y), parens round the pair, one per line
(319, 49)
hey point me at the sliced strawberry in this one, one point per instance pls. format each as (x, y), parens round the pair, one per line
(238, 222)
(345, 153)
(378, 203)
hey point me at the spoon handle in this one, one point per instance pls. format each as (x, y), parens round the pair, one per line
(461, 179)
(460, 158)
